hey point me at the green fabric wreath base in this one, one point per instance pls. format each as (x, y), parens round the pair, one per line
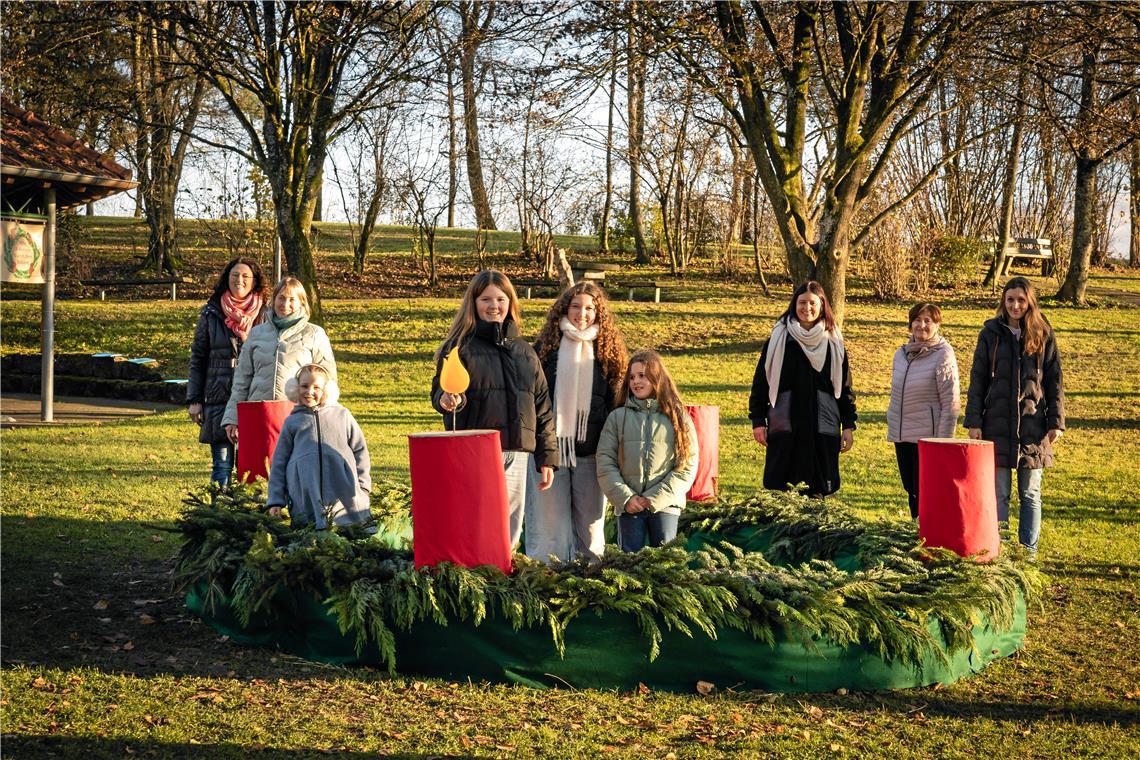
(843, 604)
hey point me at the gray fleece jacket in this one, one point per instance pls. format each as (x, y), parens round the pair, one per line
(321, 461)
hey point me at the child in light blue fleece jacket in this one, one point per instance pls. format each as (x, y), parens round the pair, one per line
(320, 466)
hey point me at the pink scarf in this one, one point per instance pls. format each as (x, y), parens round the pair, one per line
(240, 315)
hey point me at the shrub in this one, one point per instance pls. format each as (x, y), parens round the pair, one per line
(955, 260)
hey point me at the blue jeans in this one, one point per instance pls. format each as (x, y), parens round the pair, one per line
(567, 519)
(1029, 498)
(519, 487)
(661, 527)
(223, 455)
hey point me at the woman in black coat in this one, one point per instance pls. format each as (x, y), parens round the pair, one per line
(802, 407)
(1017, 400)
(508, 390)
(223, 324)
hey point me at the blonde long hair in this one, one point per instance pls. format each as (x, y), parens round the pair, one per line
(292, 285)
(1034, 327)
(610, 345)
(465, 318)
(668, 400)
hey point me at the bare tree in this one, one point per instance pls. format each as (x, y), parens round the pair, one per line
(874, 67)
(293, 74)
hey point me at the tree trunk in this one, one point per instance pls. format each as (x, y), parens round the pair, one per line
(607, 204)
(319, 208)
(452, 146)
(635, 106)
(469, 40)
(1134, 206)
(1084, 193)
(1084, 230)
(1009, 186)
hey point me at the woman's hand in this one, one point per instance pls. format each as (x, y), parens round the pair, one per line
(231, 433)
(761, 435)
(276, 511)
(975, 434)
(451, 401)
(636, 504)
(847, 440)
(1054, 434)
(196, 415)
(547, 478)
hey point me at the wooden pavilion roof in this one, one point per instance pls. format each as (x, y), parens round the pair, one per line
(35, 155)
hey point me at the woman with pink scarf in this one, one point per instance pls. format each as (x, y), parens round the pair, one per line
(223, 325)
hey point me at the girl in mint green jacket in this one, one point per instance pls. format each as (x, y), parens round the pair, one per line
(647, 455)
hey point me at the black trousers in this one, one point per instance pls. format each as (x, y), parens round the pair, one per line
(907, 456)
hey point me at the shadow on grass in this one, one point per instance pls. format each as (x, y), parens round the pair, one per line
(30, 746)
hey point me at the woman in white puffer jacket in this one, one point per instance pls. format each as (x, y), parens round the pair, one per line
(275, 350)
(924, 394)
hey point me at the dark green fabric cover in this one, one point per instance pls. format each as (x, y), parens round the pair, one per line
(603, 652)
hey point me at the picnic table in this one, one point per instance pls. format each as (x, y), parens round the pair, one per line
(104, 285)
(1029, 248)
(592, 270)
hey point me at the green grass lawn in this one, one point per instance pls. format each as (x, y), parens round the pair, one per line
(100, 659)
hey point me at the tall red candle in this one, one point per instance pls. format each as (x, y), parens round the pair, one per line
(706, 420)
(259, 424)
(957, 501)
(459, 499)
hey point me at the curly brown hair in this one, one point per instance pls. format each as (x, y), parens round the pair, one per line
(609, 346)
(668, 400)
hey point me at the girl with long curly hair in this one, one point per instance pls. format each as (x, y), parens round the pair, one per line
(583, 357)
(647, 454)
(1017, 400)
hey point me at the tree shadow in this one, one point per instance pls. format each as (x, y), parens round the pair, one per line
(34, 746)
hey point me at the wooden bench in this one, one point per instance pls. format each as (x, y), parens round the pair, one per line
(1029, 248)
(526, 285)
(105, 285)
(633, 285)
(592, 270)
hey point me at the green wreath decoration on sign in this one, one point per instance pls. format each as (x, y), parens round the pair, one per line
(11, 243)
(776, 591)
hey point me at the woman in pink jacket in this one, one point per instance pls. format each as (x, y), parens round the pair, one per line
(924, 394)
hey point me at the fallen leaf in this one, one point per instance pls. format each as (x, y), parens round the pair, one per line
(57, 582)
(841, 692)
(100, 605)
(104, 620)
(146, 619)
(815, 712)
(834, 747)
(144, 602)
(705, 688)
(644, 690)
(128, 646)
(157, 538)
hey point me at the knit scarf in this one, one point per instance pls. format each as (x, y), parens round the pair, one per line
(284, 323)
(816, 343)
(240, 315)
(573, 385)
(917, 348)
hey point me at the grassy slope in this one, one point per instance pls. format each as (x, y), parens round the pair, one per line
(86, 504)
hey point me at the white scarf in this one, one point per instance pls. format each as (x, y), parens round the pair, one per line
(573, 385)
(816, 343)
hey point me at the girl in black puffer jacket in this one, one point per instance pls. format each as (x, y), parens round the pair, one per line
(223, 324)
(508, 391)
(1017, 400)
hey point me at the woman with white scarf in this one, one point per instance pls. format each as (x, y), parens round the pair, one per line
(584, 357)
(802, 407)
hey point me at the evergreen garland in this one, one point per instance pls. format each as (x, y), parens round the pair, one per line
(792, 591)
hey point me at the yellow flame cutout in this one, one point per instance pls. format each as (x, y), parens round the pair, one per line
(453, 378)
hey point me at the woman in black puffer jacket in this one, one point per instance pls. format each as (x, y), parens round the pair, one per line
(223, 324)
(1017, 400)
(508, 390)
